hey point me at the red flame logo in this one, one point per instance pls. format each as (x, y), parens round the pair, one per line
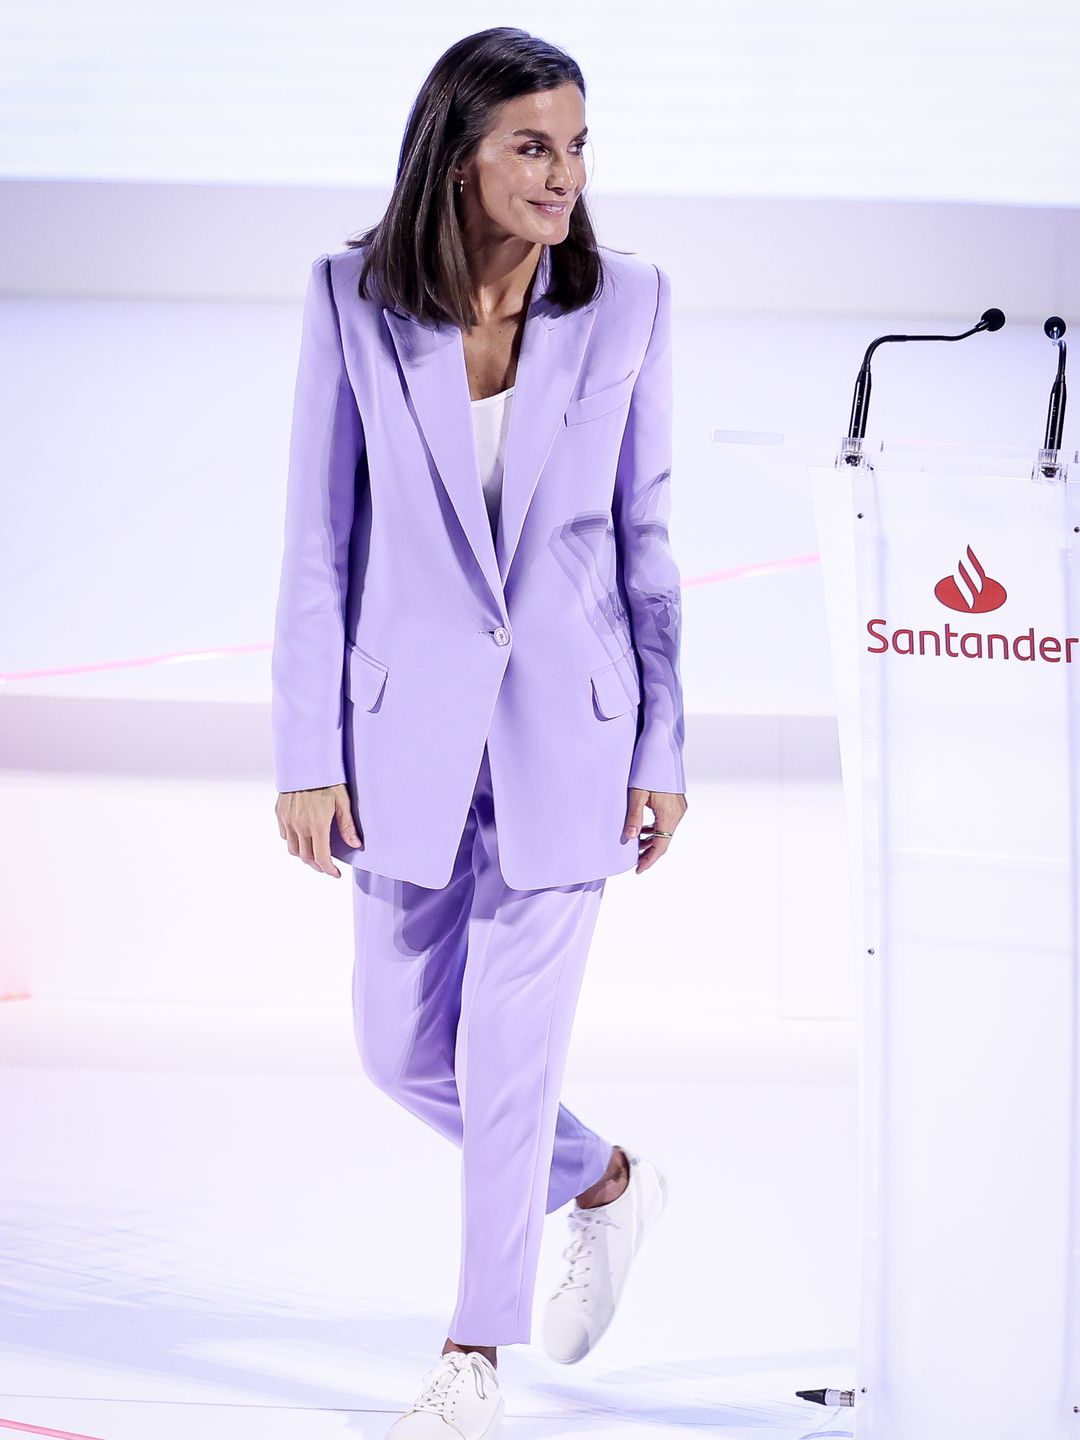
(970, 589)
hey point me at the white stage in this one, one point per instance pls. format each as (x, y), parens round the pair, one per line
(213, 1224)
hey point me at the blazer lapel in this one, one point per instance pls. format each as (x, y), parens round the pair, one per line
(432, 361)
(550, 357)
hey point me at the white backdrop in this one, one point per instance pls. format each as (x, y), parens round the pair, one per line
(931, 99)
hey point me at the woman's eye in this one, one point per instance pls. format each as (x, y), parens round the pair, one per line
(535, 147)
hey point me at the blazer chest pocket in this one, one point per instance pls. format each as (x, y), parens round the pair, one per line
(364, 677)
(616, 687)
(600, 402)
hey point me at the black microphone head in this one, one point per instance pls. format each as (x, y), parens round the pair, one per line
(993, 319)
(1054, 328)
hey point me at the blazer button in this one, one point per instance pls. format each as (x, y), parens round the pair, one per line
(501, 636)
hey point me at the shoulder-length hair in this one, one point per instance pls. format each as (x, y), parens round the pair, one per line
(416, 256)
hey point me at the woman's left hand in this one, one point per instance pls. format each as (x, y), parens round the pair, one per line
(667, 808)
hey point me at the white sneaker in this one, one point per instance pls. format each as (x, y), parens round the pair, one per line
(605, 1240)
(459, 1398)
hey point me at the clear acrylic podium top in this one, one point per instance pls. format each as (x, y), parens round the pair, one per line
(785, 459)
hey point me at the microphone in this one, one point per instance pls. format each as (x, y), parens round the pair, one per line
(1048, 464)
(991, 320)
(1054, 329)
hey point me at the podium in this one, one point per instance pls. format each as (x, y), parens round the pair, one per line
(952, 582)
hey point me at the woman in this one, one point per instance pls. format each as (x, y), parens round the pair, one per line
(480, 618)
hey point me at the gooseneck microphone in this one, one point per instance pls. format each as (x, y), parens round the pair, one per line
(991, 320)
(1054, 329)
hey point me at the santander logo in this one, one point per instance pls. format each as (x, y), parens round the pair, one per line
(971, 591)
(970, 588)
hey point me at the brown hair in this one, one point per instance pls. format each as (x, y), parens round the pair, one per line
(416, 257)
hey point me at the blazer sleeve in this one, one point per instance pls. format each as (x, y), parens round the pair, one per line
(325, 450)
(651, 580)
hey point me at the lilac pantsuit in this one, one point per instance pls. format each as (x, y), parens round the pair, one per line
(463, 1000)
(445, 675)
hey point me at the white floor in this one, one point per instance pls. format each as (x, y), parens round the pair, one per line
(216, 1226)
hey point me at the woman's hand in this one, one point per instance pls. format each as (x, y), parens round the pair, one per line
(668, 809)
(304, 818)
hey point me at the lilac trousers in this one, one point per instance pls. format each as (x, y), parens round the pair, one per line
(463, 1003)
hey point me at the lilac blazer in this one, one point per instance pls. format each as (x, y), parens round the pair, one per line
(405, 638)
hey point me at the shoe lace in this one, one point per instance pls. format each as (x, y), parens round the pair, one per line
(434, 1394)
(584, 1224)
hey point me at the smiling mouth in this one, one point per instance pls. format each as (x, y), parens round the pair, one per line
(551, 209)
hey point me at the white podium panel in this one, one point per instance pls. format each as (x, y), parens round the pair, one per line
(953, 585)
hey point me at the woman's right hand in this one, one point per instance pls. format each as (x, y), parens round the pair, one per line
(304, 818)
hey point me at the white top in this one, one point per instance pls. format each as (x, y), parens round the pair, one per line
(491, 422)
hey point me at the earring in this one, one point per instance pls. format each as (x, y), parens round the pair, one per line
(461, 187)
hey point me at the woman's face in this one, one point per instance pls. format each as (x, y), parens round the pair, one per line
(528, 170)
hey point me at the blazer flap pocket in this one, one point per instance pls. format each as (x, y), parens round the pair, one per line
(616, 687)
(364, 677)
(587, 407)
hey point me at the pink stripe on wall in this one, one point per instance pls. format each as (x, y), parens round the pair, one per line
(750, 572)
(171, 657)
(44, 1430)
